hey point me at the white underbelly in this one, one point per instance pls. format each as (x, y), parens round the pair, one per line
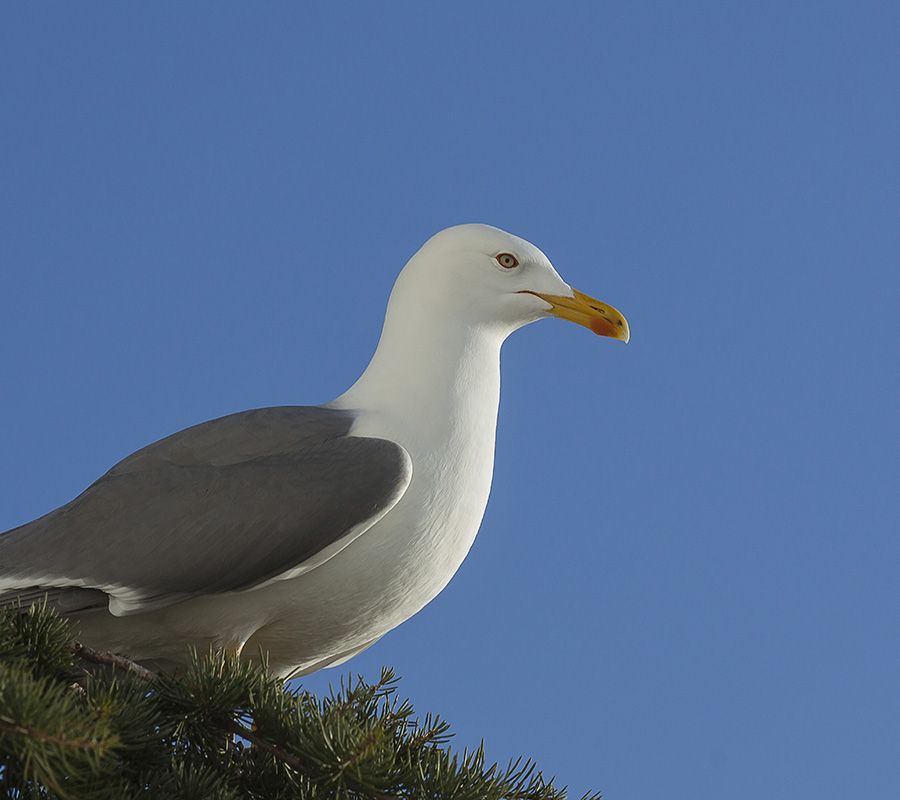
(378, 581)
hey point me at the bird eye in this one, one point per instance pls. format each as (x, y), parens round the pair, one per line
(507, 260)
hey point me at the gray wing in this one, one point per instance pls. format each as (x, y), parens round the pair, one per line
(223, 506)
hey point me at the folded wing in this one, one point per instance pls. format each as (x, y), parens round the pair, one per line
(224, 506)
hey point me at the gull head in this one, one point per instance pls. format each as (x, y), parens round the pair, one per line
(492, 279)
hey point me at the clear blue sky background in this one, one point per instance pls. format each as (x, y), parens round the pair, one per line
(686, 584)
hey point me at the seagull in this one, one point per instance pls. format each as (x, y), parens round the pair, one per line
(308, 532)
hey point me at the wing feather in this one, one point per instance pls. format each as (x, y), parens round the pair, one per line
(224, 506)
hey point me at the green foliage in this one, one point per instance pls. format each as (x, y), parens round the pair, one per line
(75, 723)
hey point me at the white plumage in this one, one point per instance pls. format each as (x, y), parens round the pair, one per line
(310, 532)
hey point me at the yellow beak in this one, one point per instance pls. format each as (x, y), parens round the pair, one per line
(602, 319)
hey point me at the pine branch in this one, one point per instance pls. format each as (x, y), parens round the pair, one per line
(227, 724)
(86, 653)
(71, 730)
(60, 740)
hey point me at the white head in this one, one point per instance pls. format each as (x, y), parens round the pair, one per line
(452, 306)
(489, 278)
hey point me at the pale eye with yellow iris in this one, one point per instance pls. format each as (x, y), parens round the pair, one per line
(507, 261)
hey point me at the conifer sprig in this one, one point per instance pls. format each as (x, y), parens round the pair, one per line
(82, 724)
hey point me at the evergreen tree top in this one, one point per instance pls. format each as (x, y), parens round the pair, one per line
(77, 723)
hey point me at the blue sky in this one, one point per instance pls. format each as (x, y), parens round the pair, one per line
(685, 583)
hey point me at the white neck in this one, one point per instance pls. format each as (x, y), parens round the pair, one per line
(429, 384)
(435, 389)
